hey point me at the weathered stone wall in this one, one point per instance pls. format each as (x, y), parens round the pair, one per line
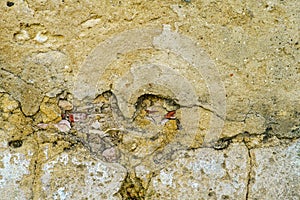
(145, 99)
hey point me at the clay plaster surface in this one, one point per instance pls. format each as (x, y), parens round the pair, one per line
(149, 99)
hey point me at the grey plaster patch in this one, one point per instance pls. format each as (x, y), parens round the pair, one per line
(93, 179)
(15, 173)
(204, 174)
(276, 172)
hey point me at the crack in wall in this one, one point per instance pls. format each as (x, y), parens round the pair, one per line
(38, 159)
(132, 187)
(34, 188)
(249, 174)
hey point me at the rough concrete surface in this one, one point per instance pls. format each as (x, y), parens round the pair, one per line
(176, 99)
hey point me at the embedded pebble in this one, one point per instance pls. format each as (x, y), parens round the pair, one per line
(65, 105)
(110, 154)
(22, 35)
(41, 37)
(90, 23)
(63, 126)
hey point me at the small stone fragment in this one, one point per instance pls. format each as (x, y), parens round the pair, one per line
(50, 110)
(54, 92)
(41, 37)
(90, 23)
(63, 126)
(65, 105)
(21, 35)
(110, 154)
(42, 125)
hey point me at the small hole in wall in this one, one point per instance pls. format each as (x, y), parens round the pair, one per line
(15, 143)
(211, 193)
(225, 197)
(10, 4)
(54, 143)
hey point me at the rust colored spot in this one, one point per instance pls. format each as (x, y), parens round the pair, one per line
(71, 118)
(170, 115)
